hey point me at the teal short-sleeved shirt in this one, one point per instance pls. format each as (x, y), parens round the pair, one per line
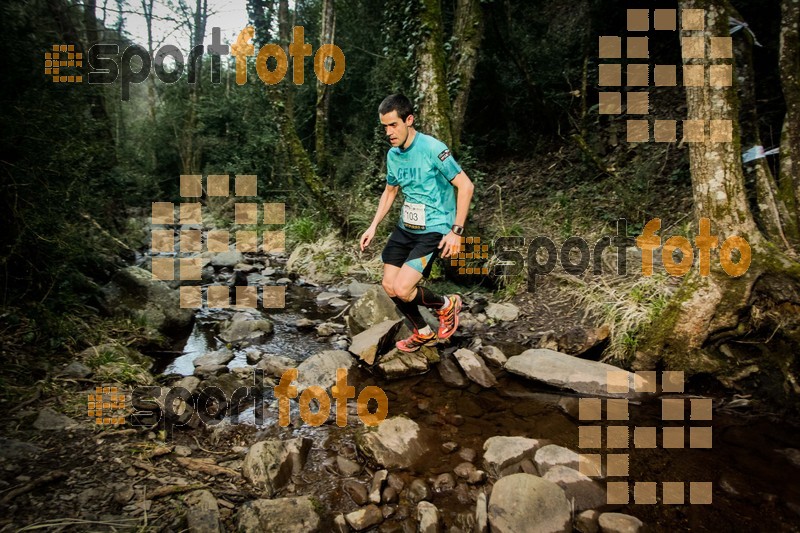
(424, 171)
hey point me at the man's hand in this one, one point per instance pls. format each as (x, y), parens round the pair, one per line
(367, 236)
(450, 245)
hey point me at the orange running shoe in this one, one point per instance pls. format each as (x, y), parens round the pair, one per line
(416, 341)
(448, 316)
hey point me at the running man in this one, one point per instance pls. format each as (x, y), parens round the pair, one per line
(432, 220)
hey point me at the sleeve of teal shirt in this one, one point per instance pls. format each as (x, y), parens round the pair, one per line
(445, 162)
(391, 179)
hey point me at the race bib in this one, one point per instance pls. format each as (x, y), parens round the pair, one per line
(414, 215)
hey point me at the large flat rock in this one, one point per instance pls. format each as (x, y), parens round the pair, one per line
(568, 372)
(395, 443)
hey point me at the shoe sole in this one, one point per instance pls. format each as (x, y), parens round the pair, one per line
(455, 321)
(429, 343)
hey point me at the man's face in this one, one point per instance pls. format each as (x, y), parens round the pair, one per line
(396, 129)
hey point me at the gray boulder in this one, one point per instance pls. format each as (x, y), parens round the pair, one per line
(281, 515)
(134, 292)
(203, 513)
(394, 443)
(219, 357)
(522, 502)
(372, 308)
(320, 369)
(619, 523)
(568, 372)
(500, 453)
(398, 364)
(244, 327)
(586, 494)
(375, 340)
(475, 368)
(270, 464)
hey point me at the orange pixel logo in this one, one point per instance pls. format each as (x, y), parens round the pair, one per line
(617, 437)
(63, 55)
(479, 251)
(707, 62)
(106, 399)
(177, 241)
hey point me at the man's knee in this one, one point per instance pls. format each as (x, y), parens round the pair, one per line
(404, 293)
(388, 287)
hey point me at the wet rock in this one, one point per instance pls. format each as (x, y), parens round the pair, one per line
(275, 365)
(619, 523)
(243, 327)
(326, 330)
(376, 340)
(578, 340)
(304, 323)
(227, 259)
(468, 454)
(464, 470)
(586, 522)
(320, 369)
(475, 368)
(444, 483)
(372, 308)
(522, 502)
(377, 484)
(451, 373)
(500, 453)
(396, 482)
(481, 515)
(203, 513)
(50, 420)
(340, 524)
(190, 383)
(503, 312)
(357, 491)
(219, 357)
(227, 383)
(427, 517)
(398, 364)
(76, 369)
(418, 491)
(347, 467)
(551, 455)
(395, 443)
(449, 447)
(476, 477)
(270, 464)
(337, 303)
(365, 518)
(209, 371)
(570, 406)
(388, 511)
(389, 495)
(134, 292)
(246, 268)
(357, 289)
(324, 297)
(493, 355)
(287, 515)
(565, 371)
(253, 356)
(283, 281)
(585, 493)
(11, 449)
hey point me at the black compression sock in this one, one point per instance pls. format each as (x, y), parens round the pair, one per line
(429, 299)
(411, 312)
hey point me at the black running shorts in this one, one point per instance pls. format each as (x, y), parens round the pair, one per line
(418, 250)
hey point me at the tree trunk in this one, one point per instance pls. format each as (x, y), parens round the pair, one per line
(698, 331)
(147, 8)
(790, 83)
(777, 220)
(434, 105)
(191, 150)
(468, 34)
(326, 36)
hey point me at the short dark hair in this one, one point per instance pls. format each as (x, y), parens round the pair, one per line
(396, 102)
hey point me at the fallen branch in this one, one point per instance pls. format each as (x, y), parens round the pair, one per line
(206, 468)
(29, 486)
